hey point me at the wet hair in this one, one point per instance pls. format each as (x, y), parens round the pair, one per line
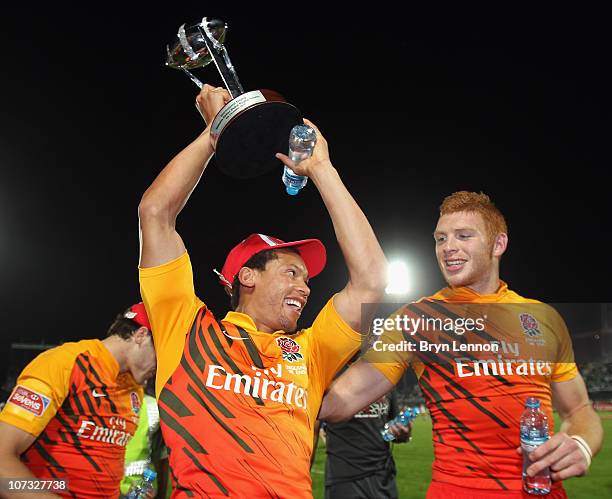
(474, 202)
(258, 262)
(123, 327)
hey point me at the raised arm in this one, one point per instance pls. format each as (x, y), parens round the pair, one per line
(165, 198)
(363, 255)
(360, 385)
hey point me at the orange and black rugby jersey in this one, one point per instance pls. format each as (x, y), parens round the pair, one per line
(237, 406)
(476, 402)
(82, 410)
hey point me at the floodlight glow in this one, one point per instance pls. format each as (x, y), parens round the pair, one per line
(398, 278)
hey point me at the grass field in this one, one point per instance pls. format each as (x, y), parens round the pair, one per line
(414, 460)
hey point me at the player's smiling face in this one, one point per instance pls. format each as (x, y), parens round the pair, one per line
(464, 251)
(281, 292)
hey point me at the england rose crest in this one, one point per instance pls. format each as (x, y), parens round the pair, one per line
(530, 325)
(291, 350)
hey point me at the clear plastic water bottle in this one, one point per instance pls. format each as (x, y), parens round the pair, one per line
(140, 489)
(534, 432)
(404, 418)
(302, 140)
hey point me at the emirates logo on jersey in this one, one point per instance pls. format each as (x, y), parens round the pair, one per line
(291, 350)
(116, 433)
(530, 325)
(265, 384)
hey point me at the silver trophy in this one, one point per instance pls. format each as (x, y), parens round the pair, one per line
(253, 126)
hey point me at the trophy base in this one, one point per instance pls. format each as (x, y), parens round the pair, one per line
(248, 141)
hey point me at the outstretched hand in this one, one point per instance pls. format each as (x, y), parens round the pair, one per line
(320, 155)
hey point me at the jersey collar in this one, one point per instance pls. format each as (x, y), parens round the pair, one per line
(241, 320)
(247, 323)
(465, 294)
(109, 359)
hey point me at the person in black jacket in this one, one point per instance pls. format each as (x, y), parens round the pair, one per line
(359, 462)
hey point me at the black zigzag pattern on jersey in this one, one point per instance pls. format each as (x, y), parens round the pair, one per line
(174, 403)
(75, 440)
(495, 479)
(176, 485)
(469, 397)
(201, 467)
(103, 386)
(230, 432)
(198, 358)
(435, 398)
(230, 362)
(226, 335)
(180, 430)
(92, 386)
(198, 382)
(250, 346)
(48, 457)
(257, 478)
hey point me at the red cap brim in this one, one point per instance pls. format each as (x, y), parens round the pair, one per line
(312, 252)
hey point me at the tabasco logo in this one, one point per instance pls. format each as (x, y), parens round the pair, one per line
(291, 350)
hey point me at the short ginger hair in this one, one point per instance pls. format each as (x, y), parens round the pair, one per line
(474, 202)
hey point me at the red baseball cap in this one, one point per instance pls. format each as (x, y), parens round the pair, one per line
(139, 315)
(312, 252)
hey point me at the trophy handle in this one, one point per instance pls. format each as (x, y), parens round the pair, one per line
(193, 78)
(222, 61)
(189, 51)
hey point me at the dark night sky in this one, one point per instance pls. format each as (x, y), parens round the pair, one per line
(414, 107)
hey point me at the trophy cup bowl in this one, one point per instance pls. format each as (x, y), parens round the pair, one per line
(250, 128)
(178, 58)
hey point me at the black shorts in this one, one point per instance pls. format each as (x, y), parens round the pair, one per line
(380, 485)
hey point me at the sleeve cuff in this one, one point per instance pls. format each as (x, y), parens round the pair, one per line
(340, 321)
(164, 267)
(19, 423)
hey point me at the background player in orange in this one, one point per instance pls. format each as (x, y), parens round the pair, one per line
(239, 397)
(476, 417)
(74, 408)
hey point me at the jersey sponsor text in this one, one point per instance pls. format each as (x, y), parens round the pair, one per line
(256, 386)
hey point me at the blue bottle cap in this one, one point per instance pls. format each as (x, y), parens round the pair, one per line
(292, 191)
(532, 402)
(149, 475)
